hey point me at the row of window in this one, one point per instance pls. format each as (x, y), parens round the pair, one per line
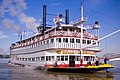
(60, 40)
(42, 58)
(60, 58)
(66, 40)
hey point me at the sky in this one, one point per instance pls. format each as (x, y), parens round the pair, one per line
(23, 16)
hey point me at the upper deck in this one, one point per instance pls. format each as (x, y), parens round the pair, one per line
(63, 31)
(65, 38)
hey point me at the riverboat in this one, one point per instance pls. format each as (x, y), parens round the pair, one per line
(62, 47)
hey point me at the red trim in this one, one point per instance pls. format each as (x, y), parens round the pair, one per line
(65, 65)
(69, 49)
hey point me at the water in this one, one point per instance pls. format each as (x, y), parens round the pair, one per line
(11, 72)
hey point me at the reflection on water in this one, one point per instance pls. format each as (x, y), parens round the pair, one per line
(10, 72)
(85, 76)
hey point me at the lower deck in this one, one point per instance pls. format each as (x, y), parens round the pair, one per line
(59, 58)
(64, 60)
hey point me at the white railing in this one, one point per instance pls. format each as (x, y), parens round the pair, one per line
(54, 45)
(70, 33)
(64, 33)
(97, 48)
(56, 33)
(33, 49)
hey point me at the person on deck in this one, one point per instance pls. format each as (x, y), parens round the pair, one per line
(97, 61)
(55, 65)
(89, 59)
(105, 60)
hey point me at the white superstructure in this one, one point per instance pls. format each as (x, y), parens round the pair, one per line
(67, 43)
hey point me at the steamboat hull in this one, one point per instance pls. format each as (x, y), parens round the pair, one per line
(89, 69)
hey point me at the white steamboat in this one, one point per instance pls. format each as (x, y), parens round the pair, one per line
(63, 46)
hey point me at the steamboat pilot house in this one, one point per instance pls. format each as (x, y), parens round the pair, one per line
(68, 44)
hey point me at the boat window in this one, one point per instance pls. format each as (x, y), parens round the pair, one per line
(47, 41)
(66, 58)
(94, 43)
(78, 58)
(52, 40)
(32, 45)
(62, 58)
(47, 58)
(52, 58)
(58, 57)
(25, 59)
(36, 44)
(37, 58)
(86, 58)
(84, 41)
(77, 40)
(92, 58)
(44, 42)
(71, 40)
(88, 41)
(41, 43)
(58, 39)
(33, 59)
(65, 40)
(42, 58)
(75, 58)
(29, 59)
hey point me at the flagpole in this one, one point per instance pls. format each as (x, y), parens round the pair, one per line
(81, 40)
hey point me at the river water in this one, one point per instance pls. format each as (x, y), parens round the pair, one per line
(12, 72)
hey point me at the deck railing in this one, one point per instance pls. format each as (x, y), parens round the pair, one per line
(54, 46)
(58, 34)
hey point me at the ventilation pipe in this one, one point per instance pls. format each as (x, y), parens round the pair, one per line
(67, 16)
(44, 19)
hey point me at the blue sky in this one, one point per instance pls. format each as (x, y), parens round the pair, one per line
(25, 15)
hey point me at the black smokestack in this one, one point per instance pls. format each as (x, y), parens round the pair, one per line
(44, 18)
(67, 16)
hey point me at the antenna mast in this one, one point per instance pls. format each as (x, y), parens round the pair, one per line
(81, 51)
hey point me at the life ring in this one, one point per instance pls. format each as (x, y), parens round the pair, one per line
(62, 63)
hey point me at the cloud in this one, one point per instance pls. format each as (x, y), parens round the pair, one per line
(29, 21)
(15, 9)
(10, 24)
(55, 4)
(12, 7)
(2, 36)
(21, 3)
